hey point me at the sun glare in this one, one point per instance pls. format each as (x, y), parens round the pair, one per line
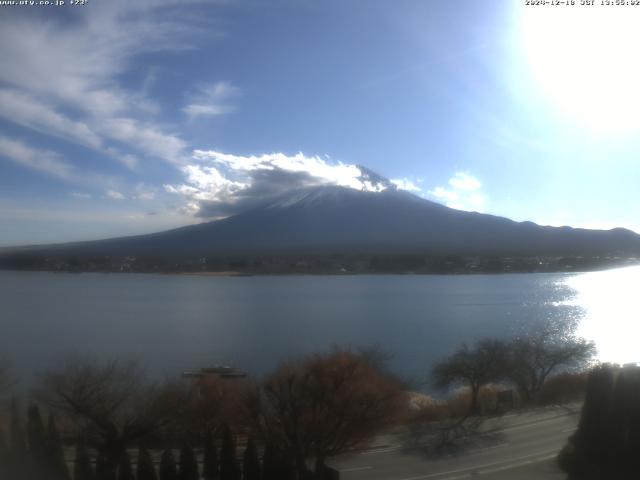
(585, 60)
(609, 301)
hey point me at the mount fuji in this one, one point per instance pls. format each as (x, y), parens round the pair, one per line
(384, 220)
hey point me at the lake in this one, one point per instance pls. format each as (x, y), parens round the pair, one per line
(179, 322)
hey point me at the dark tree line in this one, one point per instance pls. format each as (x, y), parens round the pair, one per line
(112, 405)
(33, 451)
(117, 423)
(607, 441)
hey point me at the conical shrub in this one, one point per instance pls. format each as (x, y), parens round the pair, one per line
(146, 470)
(274, 465)
(103, 471)
(211, 465)
(125, 472)
(168, 469)
(17, 442)
(82, 469)
(19, 464)
(188, 464)
(229, 468)
(251, 462)
(36, 436)
(5, 457)
(57, 463)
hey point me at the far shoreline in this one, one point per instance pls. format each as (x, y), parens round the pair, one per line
(238, 273)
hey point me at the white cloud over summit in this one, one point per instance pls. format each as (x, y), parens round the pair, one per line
(406, 184)
(219, 184)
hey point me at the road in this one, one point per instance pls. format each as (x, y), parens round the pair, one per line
(524, 449)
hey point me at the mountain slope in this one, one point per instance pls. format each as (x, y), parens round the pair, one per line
(330, 219)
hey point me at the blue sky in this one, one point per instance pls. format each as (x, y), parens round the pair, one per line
(129, 117)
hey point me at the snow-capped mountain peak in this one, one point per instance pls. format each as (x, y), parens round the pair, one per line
(372, 181)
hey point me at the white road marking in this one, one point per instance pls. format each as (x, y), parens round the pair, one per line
(490, 447)
(380, 450)
(356, 469)
(497, 466)
(522, 464)
(531, 424)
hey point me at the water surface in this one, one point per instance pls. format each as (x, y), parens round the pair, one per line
(178, 322)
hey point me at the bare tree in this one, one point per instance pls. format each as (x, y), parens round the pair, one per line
(322, 406)
(551, 348)
(472, 366)
(214, 402)
(111, 402)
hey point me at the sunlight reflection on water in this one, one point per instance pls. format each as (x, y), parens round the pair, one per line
(609, 300)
